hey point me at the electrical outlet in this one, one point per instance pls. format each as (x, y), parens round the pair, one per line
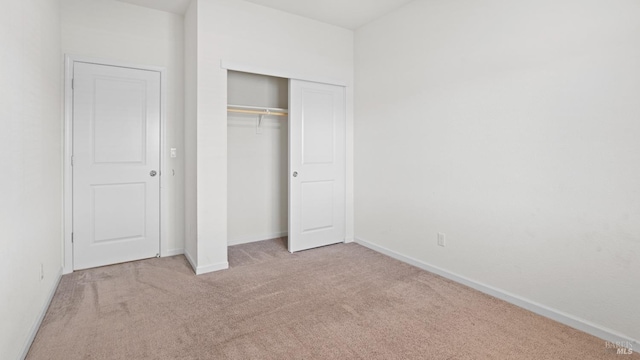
(41, 271)
(174, 152)
(442, 239)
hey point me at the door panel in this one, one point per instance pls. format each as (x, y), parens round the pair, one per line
(118, 212)
(317, 205)
(119, 121)
(317, 157)
(116, 146)
(318, 127)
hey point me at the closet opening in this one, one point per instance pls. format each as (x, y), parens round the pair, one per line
(257, 163)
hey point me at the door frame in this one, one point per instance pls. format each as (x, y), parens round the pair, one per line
(69, 61)
(255, 69)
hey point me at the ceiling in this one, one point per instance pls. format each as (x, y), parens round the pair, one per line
(172, 6)
(350, 14)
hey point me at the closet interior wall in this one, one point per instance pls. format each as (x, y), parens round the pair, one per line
(257, 198)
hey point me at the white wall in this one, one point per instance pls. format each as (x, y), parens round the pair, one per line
(257, 168)
(512, 127)
(280, 43)
(190, 132)
(117, 31)
(31, 181)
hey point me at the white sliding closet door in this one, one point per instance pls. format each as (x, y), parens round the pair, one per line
(316, 165)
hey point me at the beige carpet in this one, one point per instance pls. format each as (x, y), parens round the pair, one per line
(336, 302)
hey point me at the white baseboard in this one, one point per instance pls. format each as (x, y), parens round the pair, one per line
(36, 326)
(191, 261)
(173, 252)
(199, 270)
(349, 240)
(559, 316)
(211, 268)
(250, 239)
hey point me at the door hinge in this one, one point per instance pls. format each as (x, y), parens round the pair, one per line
(71, 160)
(72, 238)
(73, 84)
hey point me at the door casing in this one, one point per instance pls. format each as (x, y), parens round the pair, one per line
(68, 151)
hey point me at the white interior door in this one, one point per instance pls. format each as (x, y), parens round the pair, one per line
(316, 165)
(116, 158)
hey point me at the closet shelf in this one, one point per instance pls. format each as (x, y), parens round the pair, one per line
(255, 110)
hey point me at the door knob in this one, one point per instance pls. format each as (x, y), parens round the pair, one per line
(153, 173)
(295, 174)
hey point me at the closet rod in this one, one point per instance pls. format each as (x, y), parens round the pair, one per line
(257, 110)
